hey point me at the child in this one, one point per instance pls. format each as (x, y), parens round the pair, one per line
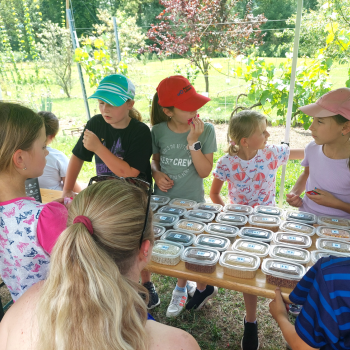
(183, 149)
(327, 158)
(91, 298)
(56, 162)
(28, 229)
(250, 169)
(324, 319)
(120, 142)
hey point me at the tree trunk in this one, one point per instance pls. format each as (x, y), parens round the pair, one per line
(206, 76)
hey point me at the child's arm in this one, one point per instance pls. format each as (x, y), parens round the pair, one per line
(76, 187)
(328, 200)
(118, 166)
(215, 191)
(162, 180)
(279, 313)
(296, 153)
(202, 162)
(293, 197)
(73, 171)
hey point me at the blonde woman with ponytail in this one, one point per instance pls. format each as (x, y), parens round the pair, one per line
(91, 298)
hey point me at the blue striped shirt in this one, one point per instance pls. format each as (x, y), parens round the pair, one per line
(324, 292)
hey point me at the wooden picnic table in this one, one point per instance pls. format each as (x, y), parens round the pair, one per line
(256, 286)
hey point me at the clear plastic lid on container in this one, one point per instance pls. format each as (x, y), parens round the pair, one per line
(167, 209)
(298, 255)
(193, 226)
(154, 207)
(200, 256)
(238, 208)
(158, 231)
(231, 219)
(222, 230)
(293, 239)
(333, 221)
(183, 203)
(292, 226)
(333, 232)
(283, 269)
(200, 215)
(160, 200)
(318, 254)
(167, 220)
(264, 220)
(260, 234)
(181, 237)
(239, 261)
(211, 241)
(333, 245)
(213, 208)
(260, 249)
(301, 216)
(167, 253)
(267, 210)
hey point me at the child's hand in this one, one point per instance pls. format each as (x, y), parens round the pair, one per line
(294, 200)
(163, 181)
(197, 128)
(324, 198)
(91, 141)
(278, 307)
(68, 194)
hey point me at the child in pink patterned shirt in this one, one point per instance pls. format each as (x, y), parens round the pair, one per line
(28, 229)
(250, 169)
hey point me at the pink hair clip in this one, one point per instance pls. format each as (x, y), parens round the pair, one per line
(233, 143)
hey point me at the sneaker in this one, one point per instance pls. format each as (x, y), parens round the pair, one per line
(191, 288)
(199, 299)
(177, 303)
(153, 295)
(295, 309)
(250, 340)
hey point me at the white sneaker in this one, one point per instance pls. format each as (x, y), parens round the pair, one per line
(177, 303)
(191, 288)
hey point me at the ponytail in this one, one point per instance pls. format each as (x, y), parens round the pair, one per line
(87, 302)
(135, 114)
(157, 113)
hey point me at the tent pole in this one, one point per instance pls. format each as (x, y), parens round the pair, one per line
(291, 91)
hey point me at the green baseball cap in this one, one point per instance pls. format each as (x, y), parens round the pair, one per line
(115, 90)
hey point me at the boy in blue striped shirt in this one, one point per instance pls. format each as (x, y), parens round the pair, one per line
(324, 321)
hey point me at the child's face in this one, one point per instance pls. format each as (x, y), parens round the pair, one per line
(115, 115)
(325, 130)
(35, 159)
(259, 138)
(182, 116)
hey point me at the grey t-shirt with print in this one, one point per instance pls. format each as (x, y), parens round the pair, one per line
(176, 160)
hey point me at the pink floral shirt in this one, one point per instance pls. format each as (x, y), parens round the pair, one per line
(252, 182)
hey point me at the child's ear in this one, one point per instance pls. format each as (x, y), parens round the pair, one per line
(130, 104)
(18, 159)
(243, 142)
(168, 112)
(346, 128)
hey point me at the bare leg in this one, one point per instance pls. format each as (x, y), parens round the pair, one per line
(181, 282)
(145, 276)
(250, 302)
(201, 286)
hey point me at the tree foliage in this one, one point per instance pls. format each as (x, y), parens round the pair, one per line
(201, 29)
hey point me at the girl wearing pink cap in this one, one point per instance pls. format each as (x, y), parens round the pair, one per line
(327, 158)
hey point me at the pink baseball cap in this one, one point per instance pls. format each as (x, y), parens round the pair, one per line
(332, 103)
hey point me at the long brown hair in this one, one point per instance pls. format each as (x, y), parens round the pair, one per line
(157, 113)
(87, 302)
(242, 125)
(19, 128)
(340, 120)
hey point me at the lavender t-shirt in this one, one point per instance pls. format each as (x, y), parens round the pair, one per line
(331, 175)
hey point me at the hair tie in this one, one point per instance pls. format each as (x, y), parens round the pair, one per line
(85, 221)
(233, 143)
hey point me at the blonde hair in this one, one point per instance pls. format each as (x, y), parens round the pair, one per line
(242, 125)
(20, 127)
(87, 302)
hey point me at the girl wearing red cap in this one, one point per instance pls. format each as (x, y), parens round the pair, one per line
(327, 158)
(183, 147)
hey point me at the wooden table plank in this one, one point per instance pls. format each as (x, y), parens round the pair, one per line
(49, 195)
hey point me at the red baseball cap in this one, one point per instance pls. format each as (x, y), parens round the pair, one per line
(332, 103)
(177, 91)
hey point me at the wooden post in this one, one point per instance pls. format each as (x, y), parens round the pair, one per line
(67, 8)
